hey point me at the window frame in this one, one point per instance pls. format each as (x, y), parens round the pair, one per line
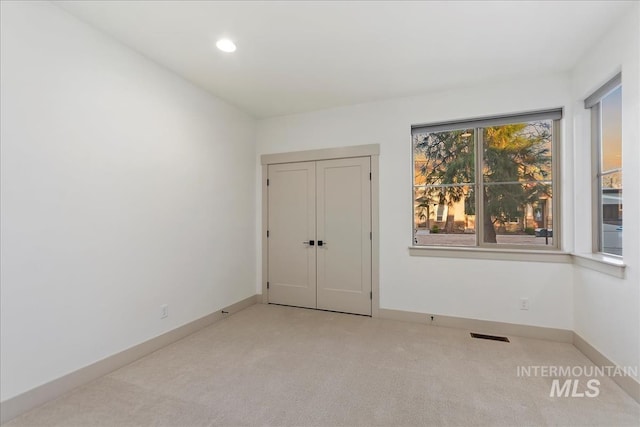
(478, 124)
(593, 103)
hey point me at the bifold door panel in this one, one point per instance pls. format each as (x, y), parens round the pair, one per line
(319, 235)
(292, 221)
(343, 222)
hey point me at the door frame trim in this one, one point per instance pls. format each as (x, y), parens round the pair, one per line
(323, 154)
(370, 150)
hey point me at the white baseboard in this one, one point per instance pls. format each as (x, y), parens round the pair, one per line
(480, 326)
(629, 384)
(21, 403)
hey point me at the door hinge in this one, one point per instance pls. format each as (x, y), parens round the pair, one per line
(369, 176)
(267, 182)
(267, 234)
(371, 235)
(371, 295)
(267, 285)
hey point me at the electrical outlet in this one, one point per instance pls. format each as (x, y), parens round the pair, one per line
(164, 311)
(524, 303)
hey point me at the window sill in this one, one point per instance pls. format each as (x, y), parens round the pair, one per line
(610, 265)
(495, 254)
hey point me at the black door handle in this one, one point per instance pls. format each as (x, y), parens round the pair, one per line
(320, 243)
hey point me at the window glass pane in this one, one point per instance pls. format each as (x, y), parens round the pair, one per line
(514, 184)
(444, 157)
(612, 213)
(518, 214)
(611, 110)
(518, 152)
(444, 215)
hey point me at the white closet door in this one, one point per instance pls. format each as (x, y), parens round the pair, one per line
(292, 223)
(343, 231)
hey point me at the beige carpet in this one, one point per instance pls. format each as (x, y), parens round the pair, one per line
(271, 365)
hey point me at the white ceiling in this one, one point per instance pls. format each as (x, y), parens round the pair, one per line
(308, 55)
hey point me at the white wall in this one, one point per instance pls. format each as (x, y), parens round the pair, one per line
(607, 309)
(488, 290)
(123, 188)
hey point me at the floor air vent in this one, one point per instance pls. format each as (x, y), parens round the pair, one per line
(489, 337)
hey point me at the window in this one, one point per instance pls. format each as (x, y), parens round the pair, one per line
(487, 182)
(606, 134)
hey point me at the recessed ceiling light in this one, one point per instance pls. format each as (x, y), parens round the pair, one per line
(226, 45)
